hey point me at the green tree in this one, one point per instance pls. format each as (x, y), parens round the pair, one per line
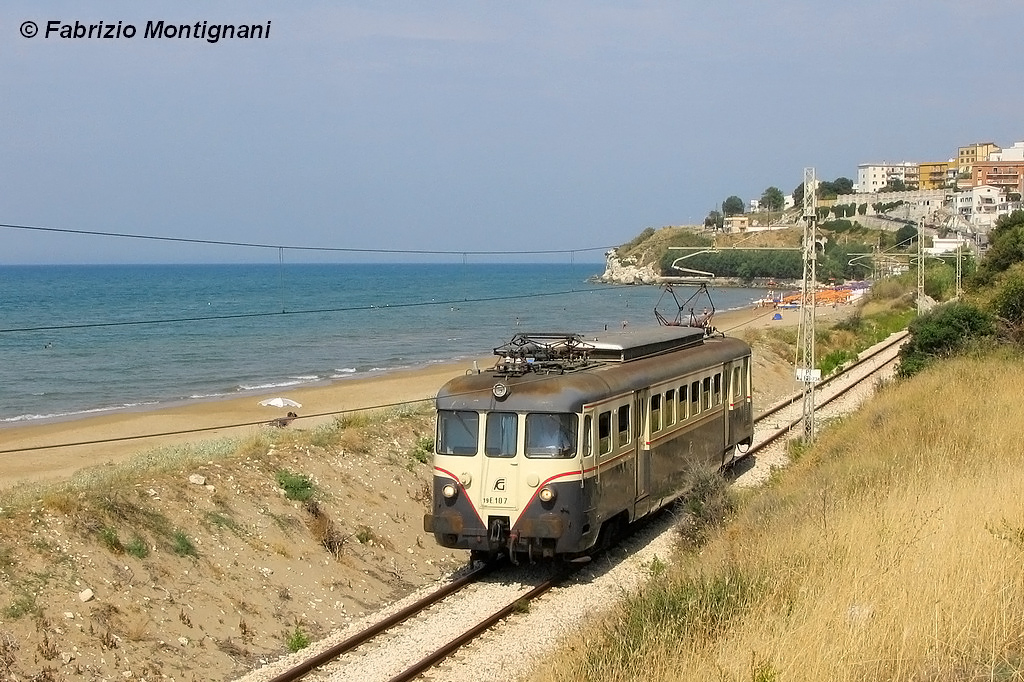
(830, 189)
(942, 332)
(798, 196)
(772, 199)
(714, 221)
(905, 235)
(732, 206)
(1006, 246)
(894, 185)
(843, 185)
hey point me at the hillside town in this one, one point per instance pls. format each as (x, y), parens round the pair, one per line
(959, 199)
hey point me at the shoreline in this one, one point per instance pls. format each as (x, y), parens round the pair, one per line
(35, 452)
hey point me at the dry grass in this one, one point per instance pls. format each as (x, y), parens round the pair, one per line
(892, 550)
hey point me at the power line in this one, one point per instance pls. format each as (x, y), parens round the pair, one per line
(176, 320)
(206, 429)
(339, 249)
(203, 429)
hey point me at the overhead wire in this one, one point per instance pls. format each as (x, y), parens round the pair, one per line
(280, 248)
(234, 316)
(207, 429)
(338, 249)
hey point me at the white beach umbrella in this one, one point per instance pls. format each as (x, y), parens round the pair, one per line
(280, 402)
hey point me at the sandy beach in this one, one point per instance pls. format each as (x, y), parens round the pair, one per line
(41, 452)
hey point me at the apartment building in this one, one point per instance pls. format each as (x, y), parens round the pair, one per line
(967, 156)
(936, 174)
(1014, 153)
(981, 206)
(871, 177)
(1007, 176)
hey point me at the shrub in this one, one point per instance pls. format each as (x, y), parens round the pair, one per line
(706, 507)
(182, 545)
(108, 536)
(297, 640)
(853, 323)
(296, 487)
(943, 332)
(137, 548)
(423, 449)
(365, 535)
(7, 561)
(835, 359)
(889, 289)
(1008, 302)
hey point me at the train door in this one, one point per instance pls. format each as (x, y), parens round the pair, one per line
(642, 437)
(588, 459)
(739, 424)
(499, 494)
(729, 379)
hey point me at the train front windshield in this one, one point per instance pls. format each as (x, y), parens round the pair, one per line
(546, 435)
(550, 435)
(457, 432)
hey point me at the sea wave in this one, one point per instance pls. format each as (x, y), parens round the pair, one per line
(267, 386)
(74, 413)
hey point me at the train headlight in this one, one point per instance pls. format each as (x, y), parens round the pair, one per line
(449, 491)
(546, 494)
(500, 390)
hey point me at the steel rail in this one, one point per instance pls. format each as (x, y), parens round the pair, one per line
(469, 635)
(328, 655)
(835, 396)
(831, 378)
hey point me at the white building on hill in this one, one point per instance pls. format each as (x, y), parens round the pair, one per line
(872, 177)
(981, 206)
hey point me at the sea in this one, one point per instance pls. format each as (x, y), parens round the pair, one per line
(81, 340)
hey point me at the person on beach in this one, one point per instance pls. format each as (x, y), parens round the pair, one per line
(282, 422)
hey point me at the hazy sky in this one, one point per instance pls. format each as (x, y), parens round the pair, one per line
(471, 126)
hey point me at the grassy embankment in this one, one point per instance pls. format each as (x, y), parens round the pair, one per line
(891, 549)
(889, 309)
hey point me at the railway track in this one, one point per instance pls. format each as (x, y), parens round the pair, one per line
(831, 388)
(431, 627)
(417, 635)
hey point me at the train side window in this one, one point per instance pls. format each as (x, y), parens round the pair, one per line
(604, 433)
(683, 403)
(738, 390)
(694, 398)
(656, 413)
(705, 398)
(500, 434)
(670, 407)
(588, 436)
(716, 389)
(551, 435)
(623, 426)
(458, 432)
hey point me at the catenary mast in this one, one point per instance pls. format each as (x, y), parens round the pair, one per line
(805, 371)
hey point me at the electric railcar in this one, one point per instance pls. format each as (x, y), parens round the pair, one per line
(566, 440)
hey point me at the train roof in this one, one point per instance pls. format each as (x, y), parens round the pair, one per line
(563, 372)
(625, 346)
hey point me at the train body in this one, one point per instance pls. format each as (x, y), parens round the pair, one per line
(567, 440)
